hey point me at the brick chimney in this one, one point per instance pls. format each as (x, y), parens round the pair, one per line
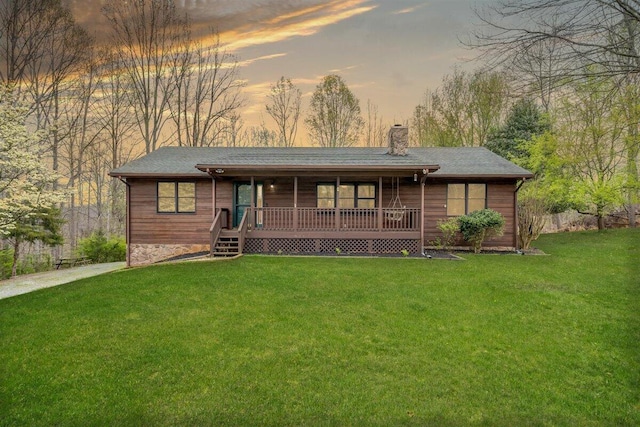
(398, 140)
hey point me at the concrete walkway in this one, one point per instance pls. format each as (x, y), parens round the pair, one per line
(31, 282)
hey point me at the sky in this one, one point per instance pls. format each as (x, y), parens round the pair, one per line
(389, 52)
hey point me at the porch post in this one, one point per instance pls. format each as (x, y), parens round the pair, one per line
(213, 197)
(380, 214)
(253, 202)
(128, 223)
(295, 203)
(422, 181)
(337, 208)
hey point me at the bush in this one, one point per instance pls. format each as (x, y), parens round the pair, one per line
(449, 228)
(27, 265)
(100, 249)
(531, 220)
(481, 225)
(34, 264)
(6, 261)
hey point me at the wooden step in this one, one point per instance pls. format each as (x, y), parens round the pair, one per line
(228, 244)
(225, 254)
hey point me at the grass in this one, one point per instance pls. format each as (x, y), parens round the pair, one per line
(493, 340)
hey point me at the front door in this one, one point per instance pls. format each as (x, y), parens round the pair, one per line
(242, 200)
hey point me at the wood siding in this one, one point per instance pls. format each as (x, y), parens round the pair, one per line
(150, 227)
(281, 195)
(500, 198)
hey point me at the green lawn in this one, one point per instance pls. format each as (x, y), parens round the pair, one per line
(493, 340)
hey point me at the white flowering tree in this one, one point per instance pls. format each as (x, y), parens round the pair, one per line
(26, 183)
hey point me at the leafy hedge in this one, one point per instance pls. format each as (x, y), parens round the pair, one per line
(481, 225)
(100, 249)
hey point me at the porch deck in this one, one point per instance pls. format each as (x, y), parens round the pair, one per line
(320, 230)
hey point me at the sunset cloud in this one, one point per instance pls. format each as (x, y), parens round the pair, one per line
(303, 22)
(247, 62)
(241, 23)
(343, 70)
(409, 9)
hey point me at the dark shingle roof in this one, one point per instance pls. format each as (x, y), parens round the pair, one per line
(182, 161)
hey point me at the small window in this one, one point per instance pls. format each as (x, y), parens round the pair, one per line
(347, 196)
(366, 196)
(465, 198)
(176, 197)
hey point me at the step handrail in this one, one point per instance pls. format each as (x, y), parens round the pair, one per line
(242, 230)
(215, 230)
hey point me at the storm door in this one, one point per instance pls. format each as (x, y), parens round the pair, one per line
(242, 201)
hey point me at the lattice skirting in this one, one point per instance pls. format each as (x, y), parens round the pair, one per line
(311, 246)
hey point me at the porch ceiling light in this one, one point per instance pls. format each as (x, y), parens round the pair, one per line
(219, 170)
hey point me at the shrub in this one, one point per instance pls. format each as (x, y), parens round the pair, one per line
(6, 261)
(28, 264)
(531, 212)
(100, 249)
(34, 264)
(449, 228)
(481, 225)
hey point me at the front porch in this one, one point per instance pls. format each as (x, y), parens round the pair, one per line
(314, 230)
(318, 211)
(319, 230)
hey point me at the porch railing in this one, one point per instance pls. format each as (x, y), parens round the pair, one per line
(320, 219)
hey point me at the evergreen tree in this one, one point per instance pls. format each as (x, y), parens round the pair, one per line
(524, 122)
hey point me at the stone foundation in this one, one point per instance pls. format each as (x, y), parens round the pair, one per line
(148, 254)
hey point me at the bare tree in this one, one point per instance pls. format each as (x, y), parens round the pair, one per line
(426, 128)
(207, 93)
(113, 112)
(603, 33)
(468, 106)
(148, 34)
(32, 34)
(334, 118)
(261, 136)
(71, 131)
(284, 108)
(537, 72)
(113, 109)
(374, 133)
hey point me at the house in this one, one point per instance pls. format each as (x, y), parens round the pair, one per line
(227, 200)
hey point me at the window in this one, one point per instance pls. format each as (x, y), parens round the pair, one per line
(347, 196)
(326, 196)
(176, 197)
(465, 198)
(366, 196)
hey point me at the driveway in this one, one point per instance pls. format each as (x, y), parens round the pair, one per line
(31, 282)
